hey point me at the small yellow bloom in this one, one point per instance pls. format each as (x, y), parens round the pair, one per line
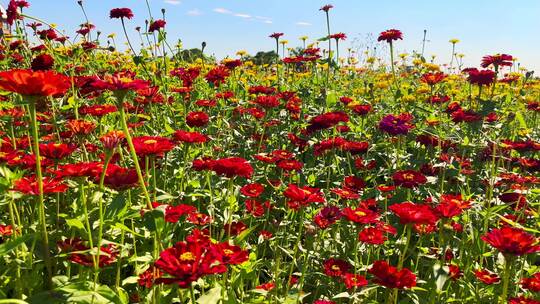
(408, 98)
(454, 41)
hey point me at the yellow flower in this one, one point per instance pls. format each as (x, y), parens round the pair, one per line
(241, 53)
(417, 61)
(303, 38)
(422, 90)
(284, 42)
(371, 59)
(432, 67)
(454, 41)
(382, 84)
(112, 35)
(408, 98)
(53, 25)
(403, 55)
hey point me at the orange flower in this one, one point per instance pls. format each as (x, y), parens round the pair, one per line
(34, 83)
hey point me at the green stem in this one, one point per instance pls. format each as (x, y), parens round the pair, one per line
(41, 204)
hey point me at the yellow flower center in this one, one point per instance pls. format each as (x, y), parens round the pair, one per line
(187, 256)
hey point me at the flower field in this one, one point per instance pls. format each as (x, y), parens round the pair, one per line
(147, 176)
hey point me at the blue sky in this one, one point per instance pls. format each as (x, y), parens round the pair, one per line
(482, 26)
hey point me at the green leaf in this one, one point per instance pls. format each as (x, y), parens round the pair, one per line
(5, 248)
(125, 228)
(211, 297)
(331, 99)
(75, 223)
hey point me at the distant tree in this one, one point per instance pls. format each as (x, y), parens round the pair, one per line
(262, 58)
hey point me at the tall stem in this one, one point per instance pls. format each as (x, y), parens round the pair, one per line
(41, 204)
(133, 154)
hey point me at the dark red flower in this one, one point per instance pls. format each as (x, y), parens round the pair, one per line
(497, 60)
(327, 216)
(276, 35)
(326, 8)
(522, 300)
(118, 13)
(514, 241)
(481, 77)
(217, 75)
(532, 283)
(120, 178)
(156, 25)
(336, 267)
(391, 277)
(390, 35)
(42, 62)
(327, 120)
(397, 125)
(408, 178)
(197, 119)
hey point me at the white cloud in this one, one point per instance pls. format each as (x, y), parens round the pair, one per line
(194, 12)
(173, 2)
(221, 10)
(302, 23)
(242, 15)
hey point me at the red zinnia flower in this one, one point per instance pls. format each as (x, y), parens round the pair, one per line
(522, 300)
(28, 185)
(217, 75)
(486, 276)
(408, 178)
(390, 35)
(397, 125)
(56, 150)
(336, 267)
(360, 215)
(514, 241)
(299, 197)
(433, 78)
(483, 77)
(326, 8)
(42, 62)
(497, 60)
(327, 216)
(197, 119)
(118, 13)
(252, 190)
(152, 145)
(411, 213)
(34, 83)
(352, 280)
(372, 236)
(276, 35)
(156, 25)
(232, 166)
(120, 178)
(190, 137)
(532, 283)
(391, 277)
